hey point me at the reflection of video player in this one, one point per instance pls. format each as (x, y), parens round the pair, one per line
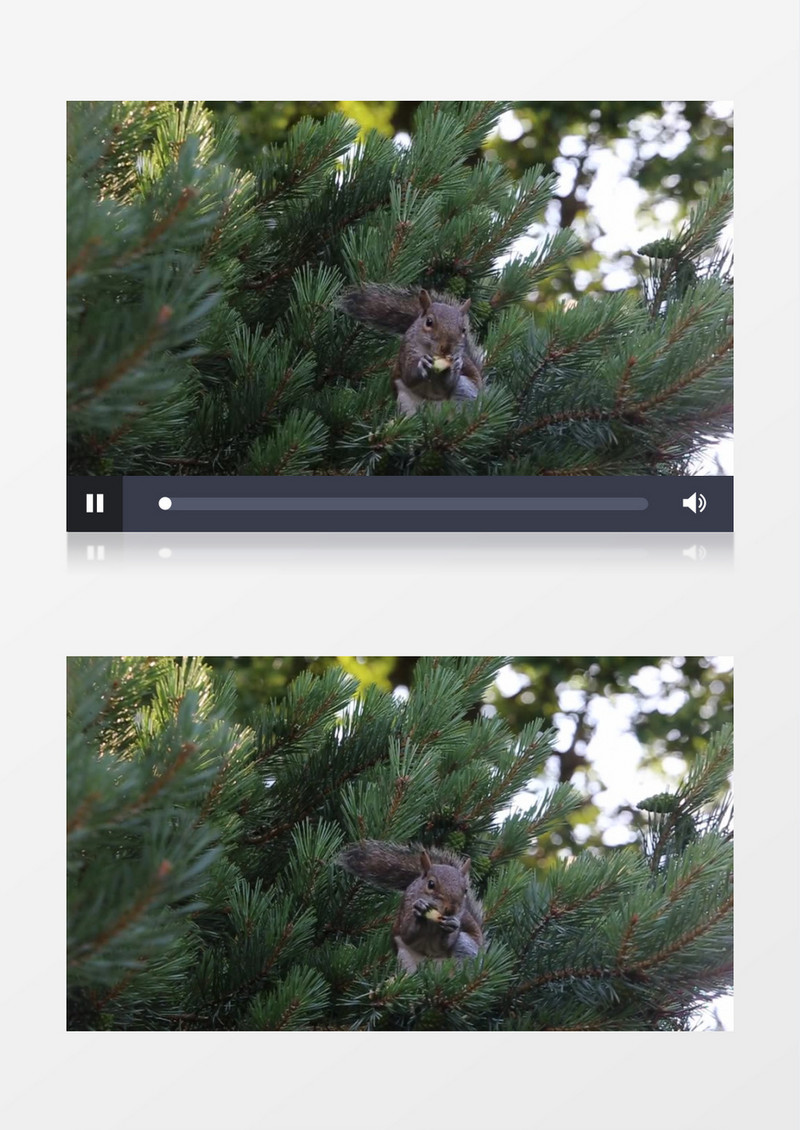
(439, 359)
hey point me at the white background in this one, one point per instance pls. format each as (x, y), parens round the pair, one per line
(387, 594)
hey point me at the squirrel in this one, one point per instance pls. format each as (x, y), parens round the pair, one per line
(438, 359)
(439, 916)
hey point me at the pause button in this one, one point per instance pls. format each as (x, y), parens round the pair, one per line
(94, 504)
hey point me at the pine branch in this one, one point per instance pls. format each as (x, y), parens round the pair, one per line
(694, 374)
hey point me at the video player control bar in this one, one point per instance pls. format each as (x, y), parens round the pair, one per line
(407, 503)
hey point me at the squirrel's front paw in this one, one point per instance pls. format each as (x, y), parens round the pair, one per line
(424, 366)
(448, 923)
(421, 907)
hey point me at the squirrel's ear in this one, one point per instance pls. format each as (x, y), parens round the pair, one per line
(425, 859)
(465, 867)
(466, 305)
(424, 301)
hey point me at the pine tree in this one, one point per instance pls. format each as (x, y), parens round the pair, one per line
(205, 335)
(203, 891)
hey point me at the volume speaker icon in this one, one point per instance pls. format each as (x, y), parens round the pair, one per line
(696, 503)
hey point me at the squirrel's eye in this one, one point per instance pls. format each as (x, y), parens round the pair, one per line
(429, 321)
(431, 884)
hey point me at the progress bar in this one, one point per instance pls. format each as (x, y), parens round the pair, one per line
(384, 504)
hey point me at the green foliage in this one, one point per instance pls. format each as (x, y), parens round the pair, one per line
(154, 780)
(651, 128)
(156, 220)
(674, 262)
(677, 819)
(674, 703)
(674, 151)
(205, 335)
(616, 950)
(202, 890)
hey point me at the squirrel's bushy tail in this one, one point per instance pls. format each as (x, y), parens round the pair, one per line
(390, 866)
(392, 309)
(387, 308)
